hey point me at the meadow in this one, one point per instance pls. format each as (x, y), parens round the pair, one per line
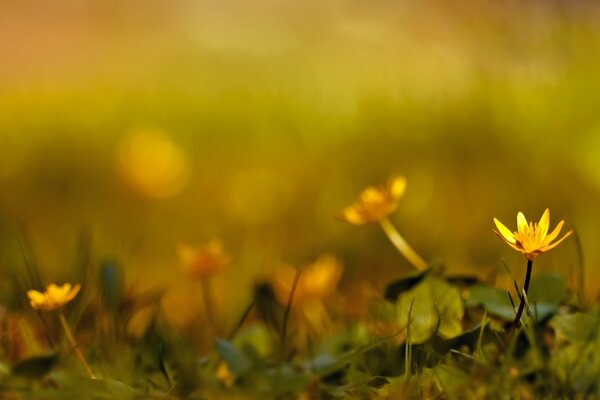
(299, 200)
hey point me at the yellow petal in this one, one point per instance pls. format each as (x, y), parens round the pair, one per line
(74, 292)
(371, 195)
(513, 245)
(397, 187)
(549, 238)
(522, 226)
(352, 216)
(57, 294)
(506, 234)
(544, 224)
(553, 245)
(36, 298)
(321, 278)
(186, 254)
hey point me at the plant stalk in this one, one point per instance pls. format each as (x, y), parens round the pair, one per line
(401, 244)
(75, 346)
(517, 320)
(208, 304)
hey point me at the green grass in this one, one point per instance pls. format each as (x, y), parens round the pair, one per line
(428, 335)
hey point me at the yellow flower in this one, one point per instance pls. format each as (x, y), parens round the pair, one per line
(224, 374)
(375, 203)
(317, 281)
(54, 297)
(153, 164)
(202, 261)
(531, 239)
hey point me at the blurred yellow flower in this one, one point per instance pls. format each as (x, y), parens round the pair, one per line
(54, 297)
(375, 203)
(152, 163)
(224, 374)
(531, 239)
(317, 281)
(203, 261)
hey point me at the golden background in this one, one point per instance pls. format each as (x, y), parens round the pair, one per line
(151, 123)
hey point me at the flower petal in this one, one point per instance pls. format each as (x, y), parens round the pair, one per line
(353, 216)
(397, 186)
(506, 234)
(544, 224)
(36, 298)
(553, 245)
(549, 238)
(73, 293)
(371, 195)
(522, 226)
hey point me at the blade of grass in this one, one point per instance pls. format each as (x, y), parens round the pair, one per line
(286, 315)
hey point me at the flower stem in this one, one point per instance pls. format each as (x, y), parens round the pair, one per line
(399, 242)
(482, 373)
(517, 321)
(75, 346)
(286, 315)
(208, 304)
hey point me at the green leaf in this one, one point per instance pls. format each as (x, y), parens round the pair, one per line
(467, 339)
(112, 389)
(236, 360)
(324, 364)
(545, 294)
(255, 336)
(37, 366)
(448, 377)
(547, 289)
(495, 300)
(576, 327)
(434, 306)
(449, 307)
(282, 379)
(407, 282)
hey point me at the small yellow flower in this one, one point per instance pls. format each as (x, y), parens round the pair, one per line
(203, 261)
(224, 374)
(54, 297)
(531, 239)
(151, 163)
(317, 281)
(375, 203)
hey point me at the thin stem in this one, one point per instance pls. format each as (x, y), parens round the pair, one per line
(288, 310)
(208, 303)
(241, 321)
(75, 346)
(516, 322)
(482, 373)
(528, 276)
(401, 244)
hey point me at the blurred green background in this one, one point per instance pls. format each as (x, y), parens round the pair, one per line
(150, 123)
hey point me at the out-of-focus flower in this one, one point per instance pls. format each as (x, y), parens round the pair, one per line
(317, 281)
(531, 239)
(154, 165)
(224, 374)
(375, 203)
(203, 261)
(54, 297)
